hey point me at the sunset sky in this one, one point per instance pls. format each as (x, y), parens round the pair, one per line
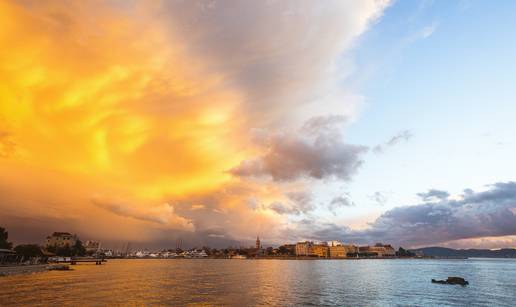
(217, 121)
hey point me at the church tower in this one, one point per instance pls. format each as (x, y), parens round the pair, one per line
(258, 245)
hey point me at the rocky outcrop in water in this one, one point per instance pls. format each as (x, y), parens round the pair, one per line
(58, 267)
(452, 281)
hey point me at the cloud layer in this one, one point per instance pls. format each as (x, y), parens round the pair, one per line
(490, 213)
(212, 128)
(215, 126)
(318, 153)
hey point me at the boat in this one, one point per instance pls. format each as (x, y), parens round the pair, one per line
(238, 257)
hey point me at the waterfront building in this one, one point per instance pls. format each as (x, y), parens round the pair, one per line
(92, 246)
(334, 243)
(342, 251)
(310, 249)
(8, 256)
(383, 250)
(258, 243)
(320, 250)
(379, 250)
(60, 239)
(304, 248)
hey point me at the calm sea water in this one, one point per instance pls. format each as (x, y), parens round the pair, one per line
(267, 282)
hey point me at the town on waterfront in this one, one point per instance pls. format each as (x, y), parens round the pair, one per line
(65, 246)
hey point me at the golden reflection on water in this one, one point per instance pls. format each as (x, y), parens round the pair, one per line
(211, 282)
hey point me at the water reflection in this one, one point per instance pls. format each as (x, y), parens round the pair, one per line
(266, 282)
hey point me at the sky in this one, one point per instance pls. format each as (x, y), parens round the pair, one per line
(213, 122)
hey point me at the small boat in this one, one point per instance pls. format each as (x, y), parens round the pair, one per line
(238, 257)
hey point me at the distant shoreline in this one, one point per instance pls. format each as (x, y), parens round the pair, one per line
(299, 258)
(12, 270)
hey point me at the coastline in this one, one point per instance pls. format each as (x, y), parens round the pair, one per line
(12, 270)
(300, 258)
(22, 269)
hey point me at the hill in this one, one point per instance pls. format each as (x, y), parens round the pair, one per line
(444, 252)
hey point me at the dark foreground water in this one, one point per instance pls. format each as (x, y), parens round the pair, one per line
(267, 282)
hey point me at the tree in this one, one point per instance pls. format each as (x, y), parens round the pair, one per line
(28, 250)
(283, 250)
(51, 249)
(4, 235)
(78, 249)
(405, 253)
(68, 251)
(64, 251)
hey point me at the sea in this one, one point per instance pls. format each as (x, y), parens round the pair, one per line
(267, 282)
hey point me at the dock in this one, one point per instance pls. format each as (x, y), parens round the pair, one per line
(74, 261)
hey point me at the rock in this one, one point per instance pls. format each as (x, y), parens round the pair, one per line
(452, 281)
(457, 281)
(58, 267)
(438, 281)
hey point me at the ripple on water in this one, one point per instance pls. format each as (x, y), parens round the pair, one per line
(267, 282)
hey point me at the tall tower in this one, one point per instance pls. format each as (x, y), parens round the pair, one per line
(258, 245)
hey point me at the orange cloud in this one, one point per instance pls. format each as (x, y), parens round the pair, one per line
(113, 100)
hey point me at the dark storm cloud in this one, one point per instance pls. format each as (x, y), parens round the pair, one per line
(489, 213)
(403, 136)
(24, 229)
(319, 152)
(433, 194)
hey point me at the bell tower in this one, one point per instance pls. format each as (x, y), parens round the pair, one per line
(258, 244)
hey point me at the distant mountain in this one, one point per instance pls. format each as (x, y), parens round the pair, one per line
(450, 252)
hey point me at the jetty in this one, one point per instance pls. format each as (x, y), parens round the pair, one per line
(74, 261)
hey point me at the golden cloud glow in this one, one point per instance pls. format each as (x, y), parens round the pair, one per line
(82, 98)
(94, 102)
(109, 110)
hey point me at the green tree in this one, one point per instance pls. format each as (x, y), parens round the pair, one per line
(51, 249)
(405, 253)
(283, 250)
(78, 249)
(4, 235)
(28, 250)
(64, 251)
